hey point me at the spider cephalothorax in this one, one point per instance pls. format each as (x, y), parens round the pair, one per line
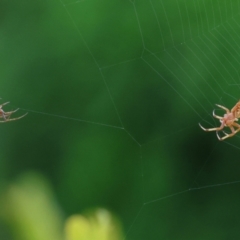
(228, 120)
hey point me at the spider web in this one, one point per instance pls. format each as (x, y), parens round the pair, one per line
(116, 92)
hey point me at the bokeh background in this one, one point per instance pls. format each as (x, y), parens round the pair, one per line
(114, 92)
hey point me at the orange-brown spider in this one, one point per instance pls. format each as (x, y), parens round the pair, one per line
(7, 115)
(228, 120)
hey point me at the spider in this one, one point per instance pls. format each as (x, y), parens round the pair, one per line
(7, 115)
(228, 120)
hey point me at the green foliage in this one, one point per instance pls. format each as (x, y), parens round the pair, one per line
(31, 211)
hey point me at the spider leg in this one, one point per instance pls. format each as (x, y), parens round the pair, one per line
(3, 104)
(236, 125)
(9, 113)
(222, 107)
(6, 115)
(218, 117)
(13, 119)
(211, 129)
(226, 134)
(234, 131)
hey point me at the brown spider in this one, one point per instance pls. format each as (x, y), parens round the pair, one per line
(7, 115)
(228, 120)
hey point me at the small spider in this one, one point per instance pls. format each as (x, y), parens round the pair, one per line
(228, 120)
(6, 115)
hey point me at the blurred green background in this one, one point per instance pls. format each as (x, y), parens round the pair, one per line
(114, 92)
